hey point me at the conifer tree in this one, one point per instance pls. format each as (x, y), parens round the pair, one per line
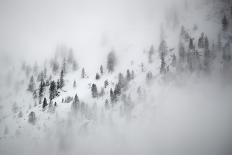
(106, 83)
(150, 54)
(225, 23)
(61, 79)
(41, 90)
(31, 86)
(128, 75)
(52, 90)
(75, 103)
(101, 70)
(111, 61)
(83, 73)
(74, 84)
(45, 103)
(97, 76)
(163, 65)
(94, 91)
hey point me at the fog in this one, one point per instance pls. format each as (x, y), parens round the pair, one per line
(177, 113)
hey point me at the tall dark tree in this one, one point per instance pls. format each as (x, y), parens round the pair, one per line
(45, 103)
(75, 103)
(94, 91)
(225, 23)
(128, 75)
(150, 54)
(163, 48)
(41, 90)
(97, 76)
(74, 84)
(112, 96)
(52, 90)
(101, 70)
(61, 79)
(111, 61)
(31, 86)
(83, 73)
(106, 83)
(201, 41)
(163, 65)
(191, 46)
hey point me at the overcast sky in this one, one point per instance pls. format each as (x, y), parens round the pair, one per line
(32, 29)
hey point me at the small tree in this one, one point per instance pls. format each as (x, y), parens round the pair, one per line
(83, 73)
(128, 75)
(106, 83)
(74, 84)
(111, 61)
(52, 90)
(31, 86)
(163, 65)
(94, 91)
(75, 103)
(150, 54)
(45, 103)
(32, 118)
(97, 76)
(41, 90)
(61, 79)
(225, 23)
(101, 70)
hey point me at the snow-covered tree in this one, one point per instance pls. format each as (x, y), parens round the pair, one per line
(45, 103)
(111, 61)
(94, 91)
(83, 73)
(52, 90)
(97, 77)
(32, 118)
(61, 79)
(150, 54)
(101, 70)
(75, 103)
(225, 23)
(31, 86)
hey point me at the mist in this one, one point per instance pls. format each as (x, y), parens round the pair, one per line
(110, 77)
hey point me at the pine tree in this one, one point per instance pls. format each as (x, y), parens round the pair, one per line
(64, 66)
(52, 90)
(201, 41)
(97, 76)
(191, 46)
(32, 118)
(163, 65)
(74, 84)
(45, 103)
(225, 23)
(61, 79)
(106, 83)
(150, 54)
(111, 61)
(128, 75)
(41, 90)
(163, 49)
(75, 103)
(94, 91)
(117, 89)
(74, 65)
(149, 77)
(31, 86)
(101, 70)
(112, 96)
(83, 73)
(206, 43)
